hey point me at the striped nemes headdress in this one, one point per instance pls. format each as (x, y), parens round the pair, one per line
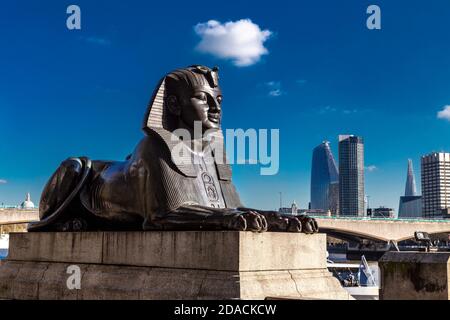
(175, 83)
(182, 81)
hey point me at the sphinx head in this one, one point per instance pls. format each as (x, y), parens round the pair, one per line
(184, 97)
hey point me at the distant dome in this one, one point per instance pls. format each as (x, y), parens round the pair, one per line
(27, 204)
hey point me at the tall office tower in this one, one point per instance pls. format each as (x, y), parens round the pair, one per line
(435, 184)
(410, 187)
(351, 176)
(410, 204)
(324, 179)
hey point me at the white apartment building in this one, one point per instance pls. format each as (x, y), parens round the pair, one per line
(435, 184)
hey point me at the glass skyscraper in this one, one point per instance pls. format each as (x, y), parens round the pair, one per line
(410, 204)
(410, 187)
(324, 179)
(351, 176)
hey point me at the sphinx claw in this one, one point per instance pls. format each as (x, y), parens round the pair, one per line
(238, 223)
(265, 225)
(294, 225)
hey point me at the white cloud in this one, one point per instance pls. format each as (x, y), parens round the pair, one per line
(371, 168)
(444, 113)
(327, 109)
(274, 88)
(275, 93)
(331, 109)
(241, 41)
(3, 181)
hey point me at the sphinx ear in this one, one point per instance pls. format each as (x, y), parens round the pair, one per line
(173, 105)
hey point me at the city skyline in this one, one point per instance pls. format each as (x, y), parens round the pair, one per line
(69, 93)
(410, 201)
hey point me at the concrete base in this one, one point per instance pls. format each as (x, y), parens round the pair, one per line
(168, 265)
(415, 276)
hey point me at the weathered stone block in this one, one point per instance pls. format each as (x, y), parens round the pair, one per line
(415, 276)
(169, 265)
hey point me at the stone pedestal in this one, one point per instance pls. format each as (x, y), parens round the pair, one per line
(415, 276)
(168, 265)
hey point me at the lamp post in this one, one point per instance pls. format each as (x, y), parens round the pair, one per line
(281, 200)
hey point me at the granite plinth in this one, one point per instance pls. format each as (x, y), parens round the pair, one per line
(168, 265)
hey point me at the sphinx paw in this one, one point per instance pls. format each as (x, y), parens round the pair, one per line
(294, 225)
(309, 225)
(72, 225)
(249, 221)
(255, 221)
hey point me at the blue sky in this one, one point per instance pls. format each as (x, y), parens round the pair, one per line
(84, 92)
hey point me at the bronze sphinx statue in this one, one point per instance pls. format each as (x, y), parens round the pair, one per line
(156, 188)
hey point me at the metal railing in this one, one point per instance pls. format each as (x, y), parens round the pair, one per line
(380, 219)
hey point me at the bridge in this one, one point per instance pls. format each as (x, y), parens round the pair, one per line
(379, 230)
(15, 220)
(17, 216)
(346, 228)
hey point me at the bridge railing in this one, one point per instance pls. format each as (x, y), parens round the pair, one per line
(380, 219)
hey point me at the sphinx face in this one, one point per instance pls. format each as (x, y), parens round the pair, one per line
(203, 105)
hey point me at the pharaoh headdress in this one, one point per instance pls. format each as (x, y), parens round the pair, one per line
(157, 116)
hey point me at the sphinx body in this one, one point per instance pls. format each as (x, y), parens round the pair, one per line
(156, 188)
